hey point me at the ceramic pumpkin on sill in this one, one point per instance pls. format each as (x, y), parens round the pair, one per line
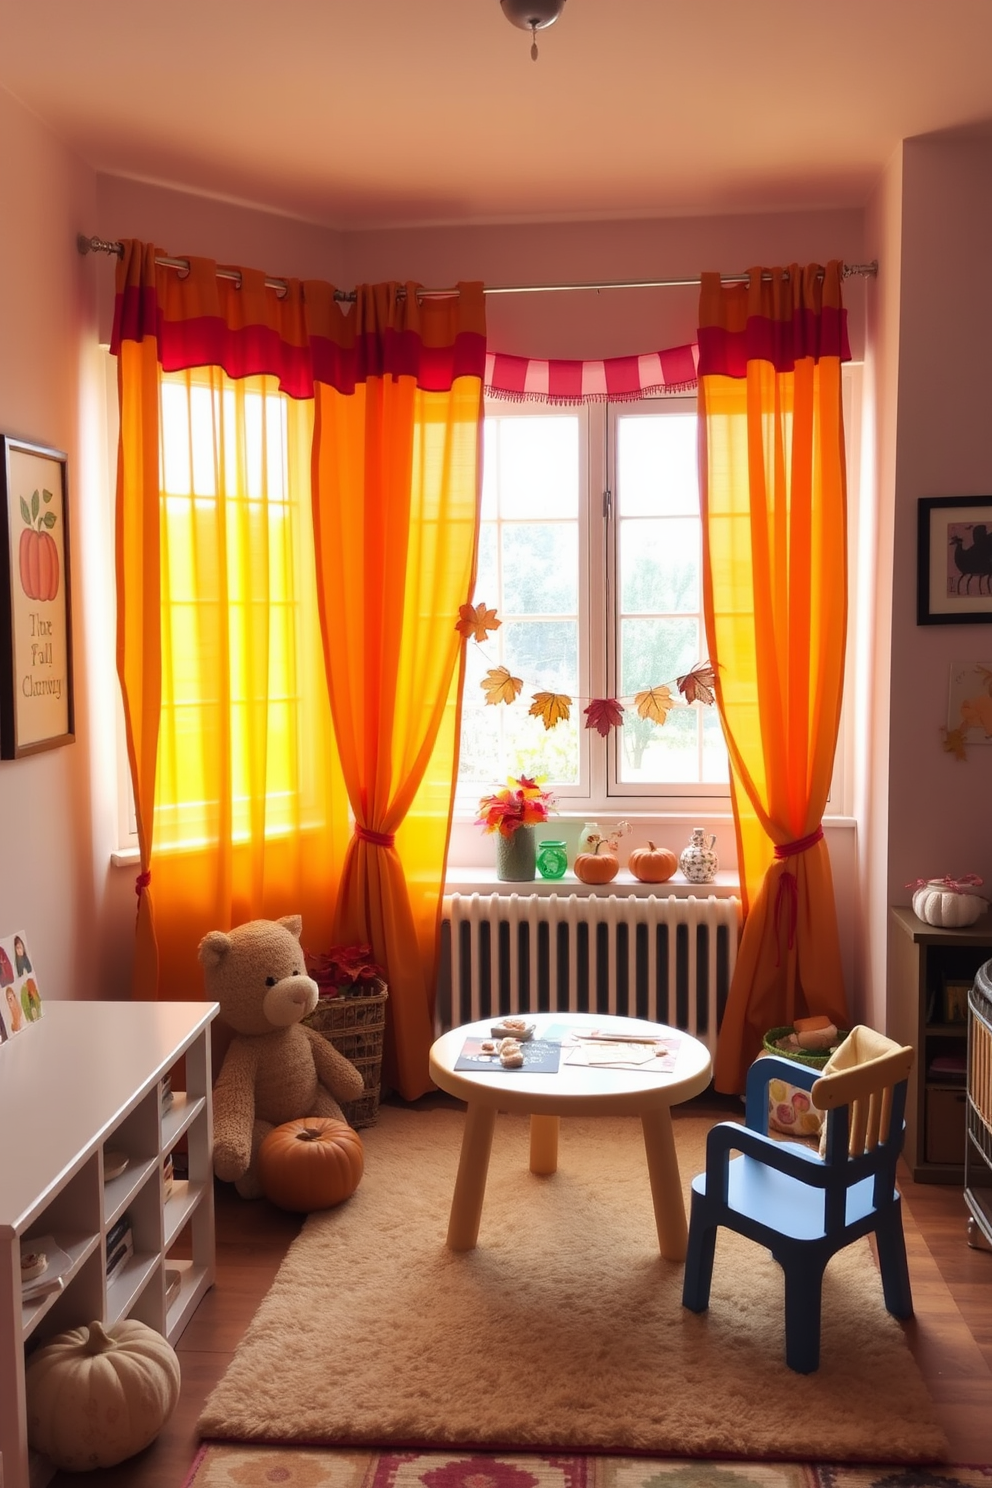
(652, 864)
(599, 863)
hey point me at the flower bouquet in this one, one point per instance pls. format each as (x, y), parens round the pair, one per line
(520, 803)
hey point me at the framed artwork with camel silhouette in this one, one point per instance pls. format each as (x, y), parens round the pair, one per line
(954, 560)
(36, 700)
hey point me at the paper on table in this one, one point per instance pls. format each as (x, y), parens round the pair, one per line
(660, 1056)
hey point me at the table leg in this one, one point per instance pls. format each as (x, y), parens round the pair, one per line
(666, 1183)
(470, 1184)
(544, 1144)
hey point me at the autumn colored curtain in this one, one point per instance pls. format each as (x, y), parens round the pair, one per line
(773, 495)
(231, 648)
(397, 471)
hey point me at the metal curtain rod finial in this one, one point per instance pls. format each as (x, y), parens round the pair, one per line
(98, 245)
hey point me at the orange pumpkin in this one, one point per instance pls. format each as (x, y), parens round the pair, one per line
(652, 864)
(313, 1163)
(597, 866)
(38, 560)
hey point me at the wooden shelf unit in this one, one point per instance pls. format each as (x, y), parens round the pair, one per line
(921, 958)
(87, 1078)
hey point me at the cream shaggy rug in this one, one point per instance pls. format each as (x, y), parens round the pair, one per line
(564, 1328)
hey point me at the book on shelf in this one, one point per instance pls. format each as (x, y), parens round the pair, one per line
(119, 1257)
(168, 1175)
(117, 1232)
(43, 1267)
(173, 1284)
(167, 1096)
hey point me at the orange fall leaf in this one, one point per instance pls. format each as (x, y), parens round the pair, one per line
(655, 703)
(499, 686)
(551, 707)
(476, 620)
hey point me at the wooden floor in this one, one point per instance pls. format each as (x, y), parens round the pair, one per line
(951, 1334)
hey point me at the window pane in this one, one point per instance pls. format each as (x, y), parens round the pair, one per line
(540, 568)
(528, 571)
(531, 466)
(660, 566)
(657, 466)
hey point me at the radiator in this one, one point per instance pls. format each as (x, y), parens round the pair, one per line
(668, 959)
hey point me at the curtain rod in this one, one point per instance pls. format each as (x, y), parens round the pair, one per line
(100, 245)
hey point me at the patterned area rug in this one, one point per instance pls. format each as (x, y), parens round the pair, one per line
(224, 1466)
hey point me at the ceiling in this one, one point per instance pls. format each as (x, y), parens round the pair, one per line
(364, 114)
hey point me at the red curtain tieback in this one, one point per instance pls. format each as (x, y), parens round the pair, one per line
(788, 889)
(377, 839)
(793, 849)
(142, 881)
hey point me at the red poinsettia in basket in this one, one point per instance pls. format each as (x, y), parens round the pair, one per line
(345, 971)
(521, 803)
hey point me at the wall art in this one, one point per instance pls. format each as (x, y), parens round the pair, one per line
(36, 700)
(954, 560)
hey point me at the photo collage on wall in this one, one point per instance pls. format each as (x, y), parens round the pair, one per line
(20, 1000)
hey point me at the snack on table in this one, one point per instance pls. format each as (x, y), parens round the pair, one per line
(515, 1027)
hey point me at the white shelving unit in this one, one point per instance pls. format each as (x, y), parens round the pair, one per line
(88, 1078)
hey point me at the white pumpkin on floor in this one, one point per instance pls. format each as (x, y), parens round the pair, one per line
(96, 1395)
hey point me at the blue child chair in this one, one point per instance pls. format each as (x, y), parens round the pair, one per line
(805, 1205)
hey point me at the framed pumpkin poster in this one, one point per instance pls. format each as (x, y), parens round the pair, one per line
(36, 705)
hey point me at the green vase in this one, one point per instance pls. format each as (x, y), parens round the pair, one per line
(516, 856)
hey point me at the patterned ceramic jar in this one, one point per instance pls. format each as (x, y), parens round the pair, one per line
(698, 861)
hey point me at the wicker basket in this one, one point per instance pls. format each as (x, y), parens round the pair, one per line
(815, 1061)
(355, 1026)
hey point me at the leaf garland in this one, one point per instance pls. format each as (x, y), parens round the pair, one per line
(602, 714)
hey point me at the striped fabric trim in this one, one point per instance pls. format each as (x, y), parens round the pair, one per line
(613, 380)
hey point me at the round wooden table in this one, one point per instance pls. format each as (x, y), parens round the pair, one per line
(648, 1091)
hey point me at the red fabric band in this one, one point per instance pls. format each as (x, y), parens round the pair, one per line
(801, 844)
(142, 881)
(377, 839)
(787, 898)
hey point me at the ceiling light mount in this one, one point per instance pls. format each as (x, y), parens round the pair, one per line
(532, 16)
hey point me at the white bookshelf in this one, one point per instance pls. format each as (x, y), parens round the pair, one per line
(88, 1078)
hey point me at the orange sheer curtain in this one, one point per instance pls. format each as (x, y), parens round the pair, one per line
(396, 483)
(775, 601)
(240, 803)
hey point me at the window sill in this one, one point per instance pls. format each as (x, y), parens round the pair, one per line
(726, 885)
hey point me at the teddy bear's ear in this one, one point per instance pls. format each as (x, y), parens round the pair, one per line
(293, 923)
(213, 948)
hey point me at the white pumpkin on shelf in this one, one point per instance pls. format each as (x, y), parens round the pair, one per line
(948, 903)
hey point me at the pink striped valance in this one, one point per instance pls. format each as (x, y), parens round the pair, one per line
(613, 380)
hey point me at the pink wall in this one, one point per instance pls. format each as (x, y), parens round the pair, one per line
(939, 808)
(56, 807)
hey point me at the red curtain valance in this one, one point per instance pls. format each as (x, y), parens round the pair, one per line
(611, 380)
(787, 316)
(301, 337)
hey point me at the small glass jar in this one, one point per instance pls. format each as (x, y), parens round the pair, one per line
(552, 858)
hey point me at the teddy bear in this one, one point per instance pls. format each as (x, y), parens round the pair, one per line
(276, 1069)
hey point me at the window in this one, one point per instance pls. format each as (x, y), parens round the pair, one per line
(590, 552)
(241, 660)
